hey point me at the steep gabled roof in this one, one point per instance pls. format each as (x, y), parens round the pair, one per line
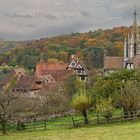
(76, 65)
(24, 82)
(56, 70)
(72, 64)
(113, 63)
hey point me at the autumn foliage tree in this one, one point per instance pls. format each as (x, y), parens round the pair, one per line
(61, 47)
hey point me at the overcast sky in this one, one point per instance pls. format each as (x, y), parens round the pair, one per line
(32, 19)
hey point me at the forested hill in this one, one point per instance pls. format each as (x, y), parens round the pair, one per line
(88, 46)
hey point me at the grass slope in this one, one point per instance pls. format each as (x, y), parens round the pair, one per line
(56, 131)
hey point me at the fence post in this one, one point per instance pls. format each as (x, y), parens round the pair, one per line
(45, 125)
(73, 121)
(134, 115)
(122, 116)
(34, 121)
(98, 119)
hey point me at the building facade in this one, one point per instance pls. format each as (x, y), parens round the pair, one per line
(132, 46)
(131, 57)
(77, 67)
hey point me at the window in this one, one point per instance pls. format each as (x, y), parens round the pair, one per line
(79, 71)
(73, 64)
(135, 48)
(83, 78)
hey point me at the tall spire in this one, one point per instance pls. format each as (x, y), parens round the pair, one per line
(135, 23)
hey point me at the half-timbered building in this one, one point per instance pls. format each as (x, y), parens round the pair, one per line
(78, 68)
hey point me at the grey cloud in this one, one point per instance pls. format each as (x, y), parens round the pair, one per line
(51, 17)
(33, 25)
(84, 13)
(41, 18)
(16, 15)
(59, 30)
(37, 15)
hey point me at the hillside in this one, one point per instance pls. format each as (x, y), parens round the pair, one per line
(88, 46)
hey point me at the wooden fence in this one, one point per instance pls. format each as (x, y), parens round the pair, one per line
(34, 125)
(92, 120)
(99, 119)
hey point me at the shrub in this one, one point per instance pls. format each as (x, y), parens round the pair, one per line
(81, 102)
(105, 108)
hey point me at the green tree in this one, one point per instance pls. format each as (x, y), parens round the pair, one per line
(122, 87)
(94, 57)
(44, 56)
(105, 108)
(81, 102)
(73, 85)
(130, 97)
(25, 57)
(63, 56)
(104, 88)
(28, 62)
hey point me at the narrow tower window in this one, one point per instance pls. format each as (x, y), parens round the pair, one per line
(135, 48)
(127, 49)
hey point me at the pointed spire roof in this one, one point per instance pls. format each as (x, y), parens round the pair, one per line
(135, 27)
(135, 17)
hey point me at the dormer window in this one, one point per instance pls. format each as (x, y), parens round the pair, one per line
(73, 64)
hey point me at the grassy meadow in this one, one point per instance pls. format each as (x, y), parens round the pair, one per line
(58, 130)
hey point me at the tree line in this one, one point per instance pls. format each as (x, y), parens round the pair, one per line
(105, 94)
(89, 47)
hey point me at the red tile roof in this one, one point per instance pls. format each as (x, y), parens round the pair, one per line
(56, 70)
(24, 82)
(113, 63)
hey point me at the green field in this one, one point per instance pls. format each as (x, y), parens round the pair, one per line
(57, 130)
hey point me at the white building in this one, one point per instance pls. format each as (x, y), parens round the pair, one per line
(132, 47)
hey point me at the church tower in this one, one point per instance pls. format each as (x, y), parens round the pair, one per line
(132, 42)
